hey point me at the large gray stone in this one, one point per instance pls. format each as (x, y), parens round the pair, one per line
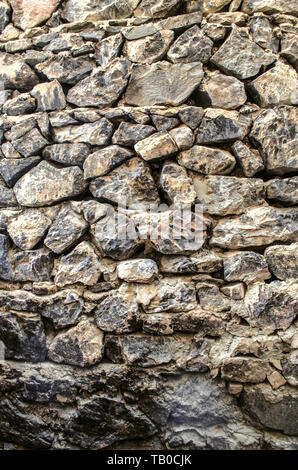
(6, 271)
(191, 46)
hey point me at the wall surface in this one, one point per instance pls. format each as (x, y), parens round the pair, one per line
(143, 342)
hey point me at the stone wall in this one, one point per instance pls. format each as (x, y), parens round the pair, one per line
(147, 344)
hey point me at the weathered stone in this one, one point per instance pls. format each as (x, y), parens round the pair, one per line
(78, 10)
(235, 291)
(191, 116)
(49, 96)
(45, 184)
(65, 69)
(289, 368)
(270, 6)
(262, 33)
(272, 305)
(250, 160)
(81, 346)
(183, 136)
(131, 183)
(20, 129)
(276, 380)
(223, 195)
(4, 15)
(19, 45)
(67, 154)
(64, 312)
(244, 370)
(22, 104)
(80, 265)
(207, 160)
(93, 211)
(204, 261)
(274, 409)
(109, 237)
(129, 134)
(159, 145)
(30, 144)
(7, 196)
(221, 91)
(240, 56)
(28, 228)
(279, 147)
(6, 272)
(138, 270)
(103, 87)
(9, 151)
(95, 133)
(276, 87)
(156, 9)
(149, 49)
(103, 161)
(246, 266)
(212, 6)
(109, 49)
(219, 125)
(12, 170)
(289, 49)
(66, 230)
(23, 336)
(30, 13)
(163, 123)
(258, 226)
(176, 184)
(211, 298)
(117, 315)
(283, 261)
(191, 46)
(170, 294)
(283, 190)
(33, 266)
(162, 83)
(15, 74)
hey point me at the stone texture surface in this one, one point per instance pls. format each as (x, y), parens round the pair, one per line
(148, 225)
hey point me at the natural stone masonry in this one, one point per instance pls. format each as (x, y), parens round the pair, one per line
(148, 342)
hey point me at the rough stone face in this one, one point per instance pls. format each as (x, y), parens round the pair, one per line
(221, 91)
(159, 9)
(23, 336)
(219, 125)
(66, 230)
(250, 160)
(22, 104)
(278, 149)
(207, 160)
(129, 134)
(227, 194)
(183, 136)
(7, 197)
(191, 46)
(12, 170)
(78, 10)
(289, 49)
(246, 266)
(103, 161)
(130, 183)
(30, 13)
(81, 346)
(103, 87)
(109, 49)
(149, 49)
(4, 15)
(159, 145)
(65, 69)
(28, 228)
(283, 190)
(282, 261)
(15, 74)
(171, 294)
(276, 87)
(64, 312)
(258, 226)
(176, 184)
(244, 370)
(30, 144)
(271, 6)
(80, 265)
(272, 305)
(275, 409)
(6, 271)
(35, 265)
(49, 96)
(240, 56)
(45, 184)
(68, 154)
(138, 270)
(162, 83)
(95, 133)
(117, 315)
